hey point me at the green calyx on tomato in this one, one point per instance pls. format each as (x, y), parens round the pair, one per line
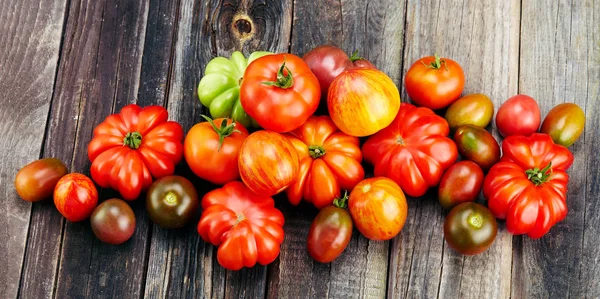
(284, 81)
(223, 131)
(537, 176)
(341, 202)
(316, 151)
(437, 63)
(354, 57)
(133, 140)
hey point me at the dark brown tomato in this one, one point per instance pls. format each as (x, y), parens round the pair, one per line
(330, 232)
(36, 180)
(470, 228)
(460, 183)
(113, 221)
(478, 145)
(473, 109)
(564, 123)
(171, 201)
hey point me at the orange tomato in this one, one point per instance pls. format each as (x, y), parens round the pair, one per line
(75, 197)
(363, 101)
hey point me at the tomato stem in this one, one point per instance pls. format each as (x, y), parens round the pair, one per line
(537, 176)
(437, 63)
(133, 140)
(316, 151)
(223, 130)
(354, 57)
(283, 81)
(340, 202)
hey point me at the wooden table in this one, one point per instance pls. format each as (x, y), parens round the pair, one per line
(67, 64)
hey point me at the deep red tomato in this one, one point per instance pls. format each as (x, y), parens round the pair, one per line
(470, 228)
(461, 183)
(75, 197)
(268, 162)
(36, 180)
(434, 82)
(246, 226)
(329, 160)
(131, 147)
(113, 221)
(564, 123)
(528, 187)
(172, 201)
(378, 208)
(330, 232)
(362, 101)
(414, 150)
(478, 145)
(519, 115)
(211, 149)
(280, 92)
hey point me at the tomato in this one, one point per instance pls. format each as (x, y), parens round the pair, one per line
(461, 183)
(564, 123)
(280, 92)
(478, 145)
(470, 228)
(246, 226)
(219, 89)
(172, 201)
(519, 115)
(211, 149)
(268, 162)
(378, 208)
(528, 187)
(36, 180)
(434, 82)
(130, 148)
(113, 221)
(329, 160)
(362, 101)
(414, 150)
(75, 197)
(475, 109)
(330, 232)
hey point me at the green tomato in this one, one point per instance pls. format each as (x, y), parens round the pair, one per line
(474, 109)
(219, 89)
(564, 123)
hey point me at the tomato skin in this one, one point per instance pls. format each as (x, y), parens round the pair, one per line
(113, 221)
(246, 226)
(172, 201)
(36, 180)
(277, 107)
(329, 234)
(75, 197)
(478, 145)
(474, 109)
(329, 161)
(215, 163)
(564, 123)
(470, 228)
(378, 208)
(519, 115)
(434, 87)
(461, 183)
(362, 101)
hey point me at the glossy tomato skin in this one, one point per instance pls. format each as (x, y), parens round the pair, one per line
(564, 123)
(36, 180)
(75, 197)
(470, 228)
(268, 162)
(461, 183)
(246, 226)
(478, 145)
(362, 101)
(279, 107)
(172, 201)
(378, 208)
(207, 158)
(329, 234)
(474, 109)
(414, 150)
(329, 161)
(113, 221)
(519, 115)
(434, 87)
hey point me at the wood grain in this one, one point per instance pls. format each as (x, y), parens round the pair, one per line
(29, 51)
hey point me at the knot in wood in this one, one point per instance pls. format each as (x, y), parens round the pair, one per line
(243, 26)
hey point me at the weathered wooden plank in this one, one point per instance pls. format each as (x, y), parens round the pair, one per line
(482, 36)
(29, 51)
(374, 28)
(563, 36)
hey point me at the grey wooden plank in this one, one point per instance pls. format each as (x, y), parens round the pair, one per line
(483, 37)
(29, 53)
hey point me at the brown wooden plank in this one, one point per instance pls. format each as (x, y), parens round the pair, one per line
(374, 28)
(563, 36)
(482, 36)
(29, 52)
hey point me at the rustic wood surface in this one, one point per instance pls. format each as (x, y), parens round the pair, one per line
(67, 64)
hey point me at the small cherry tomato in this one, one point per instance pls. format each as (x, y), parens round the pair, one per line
(478, 145)
(475, 109)
(36, 180)
(75, 197)
(113, 221)
(330, 232)
(171, 201)
(461, 183)
(564, 123)
(519, 115)
(470, 228)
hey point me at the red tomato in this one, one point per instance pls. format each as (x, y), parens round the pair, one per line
(362, 101)
(329, 160)
(330, 232)
(378, 208)
(434, 82)
(75, 197)
(268, 162)
(414, 150)
(246, 226)
(36, 180)
(461, 183)
(280, 92)
(211, 149)
(519, 115)
(113, 221)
